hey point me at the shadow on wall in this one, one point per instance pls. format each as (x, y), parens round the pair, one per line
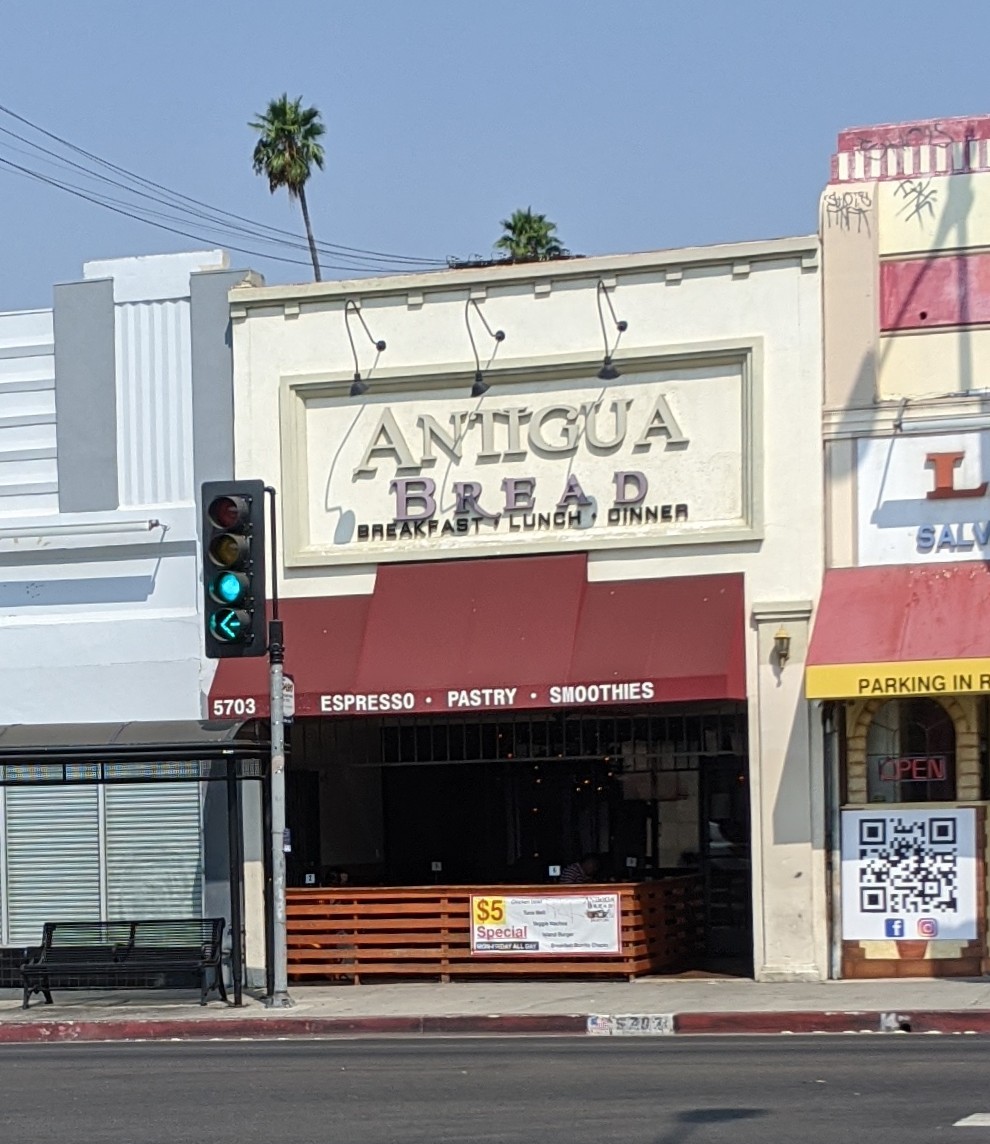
(951, 236)
(792, 806)
(91, 590)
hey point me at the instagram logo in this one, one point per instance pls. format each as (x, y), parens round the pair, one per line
(927, 927)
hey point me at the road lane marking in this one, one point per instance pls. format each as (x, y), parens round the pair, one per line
(977, 1120)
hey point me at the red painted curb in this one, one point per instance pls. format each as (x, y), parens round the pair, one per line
(777, 1022)
(207, 1028)
(908, 1021)
(253, 1028)
(234, 1028)
(950, 1021)
(508, 1023)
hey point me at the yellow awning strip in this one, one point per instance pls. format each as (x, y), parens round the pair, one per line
(914, 677)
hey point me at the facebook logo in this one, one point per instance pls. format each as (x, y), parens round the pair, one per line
(893, 927)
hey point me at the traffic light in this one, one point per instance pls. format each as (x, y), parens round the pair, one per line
(234, 568)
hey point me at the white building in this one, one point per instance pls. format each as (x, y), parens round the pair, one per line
(114, 406)
(490, 541)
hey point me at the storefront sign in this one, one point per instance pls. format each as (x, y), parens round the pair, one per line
(660, 457)
(924, 498)
(909, 875)
(917, 677)
(914, 769)
(582, 924)
(488, 698)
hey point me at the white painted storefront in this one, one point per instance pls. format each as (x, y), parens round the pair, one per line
(702, 458)
(99, 593)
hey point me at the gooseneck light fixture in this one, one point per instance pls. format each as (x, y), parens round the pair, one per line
(608, 372)
(481, 386)
(358, 386)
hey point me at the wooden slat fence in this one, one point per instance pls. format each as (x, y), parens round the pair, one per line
(416, 931)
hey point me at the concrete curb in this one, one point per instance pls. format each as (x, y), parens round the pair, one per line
(656, 1024)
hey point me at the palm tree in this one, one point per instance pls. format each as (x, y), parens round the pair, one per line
(287, 150)
(529, 236)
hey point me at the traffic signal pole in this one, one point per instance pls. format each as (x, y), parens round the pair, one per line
(279, 997)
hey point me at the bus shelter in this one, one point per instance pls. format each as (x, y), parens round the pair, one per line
(112, 755)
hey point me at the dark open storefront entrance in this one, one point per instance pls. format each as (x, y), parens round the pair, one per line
(489, 800)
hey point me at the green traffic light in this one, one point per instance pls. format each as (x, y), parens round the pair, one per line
(230, 625)
(229, 587)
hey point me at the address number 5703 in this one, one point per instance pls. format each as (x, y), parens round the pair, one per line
(227, 707)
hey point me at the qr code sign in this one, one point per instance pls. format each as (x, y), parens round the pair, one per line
(909, 874)
(908, 867)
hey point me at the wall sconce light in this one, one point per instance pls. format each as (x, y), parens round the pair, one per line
(608, 372)
(481, 386)
(357, 385)
(782, 645)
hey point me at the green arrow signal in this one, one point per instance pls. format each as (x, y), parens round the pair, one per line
(230, 625)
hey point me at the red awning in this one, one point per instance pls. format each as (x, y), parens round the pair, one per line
(501, 634)
(901, 630)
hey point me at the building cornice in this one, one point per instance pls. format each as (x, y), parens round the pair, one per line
(896, 416)
(742, 254)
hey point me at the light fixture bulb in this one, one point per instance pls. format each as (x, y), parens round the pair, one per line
(358, 386)
(480, 386)
(608, 372)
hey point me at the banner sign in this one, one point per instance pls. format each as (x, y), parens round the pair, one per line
(908, 677)
(555, 925)
(665, 455)
(909, 875)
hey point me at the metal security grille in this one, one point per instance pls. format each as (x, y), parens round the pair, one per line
(648, 742)
(52, 858)
(154, 851)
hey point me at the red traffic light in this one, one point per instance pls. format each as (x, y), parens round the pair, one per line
(229, 512)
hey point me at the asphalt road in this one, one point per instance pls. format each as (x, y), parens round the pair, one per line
(785, 1090)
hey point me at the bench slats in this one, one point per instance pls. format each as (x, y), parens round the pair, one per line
(81, 954)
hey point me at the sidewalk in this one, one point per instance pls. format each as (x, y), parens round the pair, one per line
(648, 1006)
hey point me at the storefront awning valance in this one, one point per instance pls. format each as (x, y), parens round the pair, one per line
(501, 634)
(901, 630)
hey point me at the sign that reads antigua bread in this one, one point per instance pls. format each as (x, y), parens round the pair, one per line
(661, 457)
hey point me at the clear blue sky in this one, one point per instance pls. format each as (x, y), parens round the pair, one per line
(634, 124)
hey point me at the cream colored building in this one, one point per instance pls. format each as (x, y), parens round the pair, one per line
(550, 592)
(900, 657)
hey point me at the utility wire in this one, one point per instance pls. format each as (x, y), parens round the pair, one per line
(101, 198)
(6, 163)
(330, 247)
(199, 211)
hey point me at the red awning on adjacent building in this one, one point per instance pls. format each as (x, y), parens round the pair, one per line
(901, 630)
(501, 634)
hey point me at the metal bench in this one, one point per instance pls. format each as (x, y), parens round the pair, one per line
(126, 954)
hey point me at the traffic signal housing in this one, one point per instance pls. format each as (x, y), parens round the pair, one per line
(233, 532)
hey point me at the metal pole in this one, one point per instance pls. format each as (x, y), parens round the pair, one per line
(236, 860)
(279, 997)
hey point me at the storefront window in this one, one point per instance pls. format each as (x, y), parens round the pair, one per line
(911, 752)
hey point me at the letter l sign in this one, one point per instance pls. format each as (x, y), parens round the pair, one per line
(945, 465)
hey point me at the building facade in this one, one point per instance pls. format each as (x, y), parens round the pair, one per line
(116, 404)
(899, 658)
(550, 545)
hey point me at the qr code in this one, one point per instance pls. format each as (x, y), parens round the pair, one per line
(908, 866)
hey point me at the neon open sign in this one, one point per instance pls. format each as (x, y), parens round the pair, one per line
(915, 769)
